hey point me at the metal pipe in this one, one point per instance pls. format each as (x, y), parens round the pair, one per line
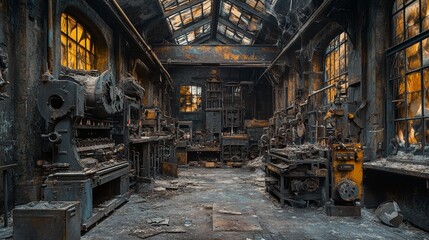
(320, 90)
(145, 45)
(5, 196)
(50, 36)
(297, 36)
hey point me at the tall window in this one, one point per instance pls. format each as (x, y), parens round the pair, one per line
(77, 45)
(336, 63)
(190, 99)
(408, 68)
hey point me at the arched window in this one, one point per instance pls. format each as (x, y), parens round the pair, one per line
(77, 45)
(336, 63)
(408, 66)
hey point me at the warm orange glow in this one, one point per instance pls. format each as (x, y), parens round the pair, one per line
(77, 46)
(336, 65)
(190, 99)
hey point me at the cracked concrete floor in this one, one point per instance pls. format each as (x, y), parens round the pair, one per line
(201, 188)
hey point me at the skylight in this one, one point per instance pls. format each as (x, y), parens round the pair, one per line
(239, 20)
(193, 35)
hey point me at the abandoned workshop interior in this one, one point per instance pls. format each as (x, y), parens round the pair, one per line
(214, 119)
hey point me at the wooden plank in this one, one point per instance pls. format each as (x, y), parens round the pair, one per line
(244, 222)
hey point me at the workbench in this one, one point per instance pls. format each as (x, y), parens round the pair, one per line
(297, 180)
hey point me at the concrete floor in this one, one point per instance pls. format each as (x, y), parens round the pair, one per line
(199, 189)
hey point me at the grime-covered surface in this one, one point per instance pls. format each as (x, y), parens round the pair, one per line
(188, 204)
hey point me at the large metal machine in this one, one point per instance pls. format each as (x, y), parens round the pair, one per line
(346, 180)
(87, 165)
(298, 175)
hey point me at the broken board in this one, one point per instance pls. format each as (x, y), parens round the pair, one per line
(234, 217)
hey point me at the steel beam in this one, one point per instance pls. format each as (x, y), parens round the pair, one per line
(253, 11)
(215, 17)
(321, 10)
(180, 8)
(191, 27)
(220, 55)
(236, 28)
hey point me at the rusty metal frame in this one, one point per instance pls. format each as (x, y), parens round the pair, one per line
(253, 11)
(219, 55)
(180, 8)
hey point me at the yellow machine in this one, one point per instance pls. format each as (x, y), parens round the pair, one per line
(346, 180)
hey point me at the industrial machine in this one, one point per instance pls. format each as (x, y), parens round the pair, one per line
(255, 130)
(87, 165)
(298, 175)
(346, 180)
(234, 149)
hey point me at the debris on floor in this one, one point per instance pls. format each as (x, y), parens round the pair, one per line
(238, 218)
(389, 213)
(193, 213)
(159, 189)
(158, 221)
(229, 212)
(150, 232)
(256, 163)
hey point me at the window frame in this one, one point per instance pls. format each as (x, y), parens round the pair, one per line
(90, 57)
(335, 44)
(199, 107)
(396, 75)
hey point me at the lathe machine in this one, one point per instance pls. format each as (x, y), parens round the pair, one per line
(86, 164)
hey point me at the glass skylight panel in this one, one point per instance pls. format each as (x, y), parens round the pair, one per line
(221, 28)
(255, 25)
(189, 15)
(198, 31)
(175, 21)
(226, 8)
(260, 5)
(206, 28)
(181, 40)
(190, 36)
(246, 41)
(194, 35)
(169, 5)
(197, 12)
(235, 15)
(182, 2)
(229, 33)
(207, 8)
(186, 16)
